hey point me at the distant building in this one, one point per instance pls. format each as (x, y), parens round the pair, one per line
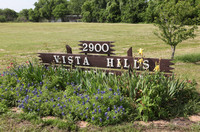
(73, 18)
(68, 18)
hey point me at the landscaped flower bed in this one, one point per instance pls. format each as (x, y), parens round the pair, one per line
(97, 98)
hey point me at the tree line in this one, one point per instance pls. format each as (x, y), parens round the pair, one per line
(111, 11)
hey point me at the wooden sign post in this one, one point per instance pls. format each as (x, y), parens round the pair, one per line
(107, 63)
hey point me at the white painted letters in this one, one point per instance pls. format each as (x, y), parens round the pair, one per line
(63, 57)
(86, 63)
(135, 65)
(77, 60)
(146, 64)
(126, 63)
(70, 60)
(57, 58)
(110, 62)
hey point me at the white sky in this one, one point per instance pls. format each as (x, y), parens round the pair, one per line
(17, 5)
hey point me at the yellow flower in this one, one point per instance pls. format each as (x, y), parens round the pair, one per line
(19, 78)
(140, 51)
(157, 68)
(140, 61)
(119, 63)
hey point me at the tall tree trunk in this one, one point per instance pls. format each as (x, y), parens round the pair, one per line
(173, 51)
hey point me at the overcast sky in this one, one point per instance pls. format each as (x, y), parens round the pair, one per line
(17, 5)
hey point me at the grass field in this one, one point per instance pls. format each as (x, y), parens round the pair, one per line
(22, 41)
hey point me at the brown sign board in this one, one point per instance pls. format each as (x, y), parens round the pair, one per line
(109, 63)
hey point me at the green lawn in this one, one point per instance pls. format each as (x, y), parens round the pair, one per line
(21, 41)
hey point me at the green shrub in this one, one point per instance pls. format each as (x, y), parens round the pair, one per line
(192, 58)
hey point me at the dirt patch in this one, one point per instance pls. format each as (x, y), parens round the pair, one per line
(16, 110)
(82, 124)
(24, 124)
(177, 125)
(195, 118)
(49, 118)
(181, 122)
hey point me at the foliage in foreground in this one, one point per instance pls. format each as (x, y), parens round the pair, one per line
(96, 97)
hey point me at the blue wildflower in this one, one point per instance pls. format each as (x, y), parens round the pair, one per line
(115, 107)
(118, 109)
(108, 109)
(100, 119)
(92, 118)
(107, 118)
(106, 113)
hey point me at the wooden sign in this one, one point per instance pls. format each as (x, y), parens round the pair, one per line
(107, 63)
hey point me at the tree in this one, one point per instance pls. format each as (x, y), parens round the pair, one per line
(113, 12)
(23, 15)
(46, 8)
(10, 15)
(75, 6)
(34, 15)
(60, 11)
(2, 18)
(170, 23)
(133, 10)
(87, 10)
